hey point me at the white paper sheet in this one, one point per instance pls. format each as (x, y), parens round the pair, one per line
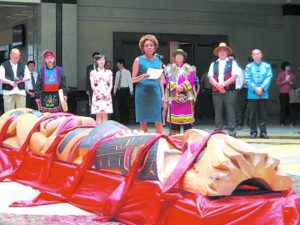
(154, 73)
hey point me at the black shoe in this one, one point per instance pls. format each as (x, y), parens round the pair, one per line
(253, 135)
(239, 127)
(232, 133)
(264, 135)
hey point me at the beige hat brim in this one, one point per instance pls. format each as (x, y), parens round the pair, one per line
(217, 49)
(180, 53)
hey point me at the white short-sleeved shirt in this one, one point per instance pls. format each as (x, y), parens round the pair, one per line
(239, 82)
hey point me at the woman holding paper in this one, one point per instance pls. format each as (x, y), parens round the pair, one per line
(149, 94)
(50, 80)
(180, 78)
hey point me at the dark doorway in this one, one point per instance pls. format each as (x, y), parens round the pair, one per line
(199, 49)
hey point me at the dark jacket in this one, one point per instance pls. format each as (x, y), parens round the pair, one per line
(88, 86)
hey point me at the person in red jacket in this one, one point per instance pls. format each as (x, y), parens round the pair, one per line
(285, 81)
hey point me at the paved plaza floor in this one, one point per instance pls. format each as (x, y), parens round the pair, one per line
(284, 144)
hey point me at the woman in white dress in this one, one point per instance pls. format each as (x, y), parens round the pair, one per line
(102, 84)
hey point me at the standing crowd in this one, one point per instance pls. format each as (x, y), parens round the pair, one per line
(162, 93)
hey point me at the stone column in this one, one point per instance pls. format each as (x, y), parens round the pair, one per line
(59, 33)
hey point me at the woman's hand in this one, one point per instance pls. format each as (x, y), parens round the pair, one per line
(163, 102)
(144, 76)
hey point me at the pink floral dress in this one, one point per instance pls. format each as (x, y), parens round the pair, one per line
(101, 100)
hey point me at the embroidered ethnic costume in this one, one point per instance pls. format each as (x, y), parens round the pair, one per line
(181, 106)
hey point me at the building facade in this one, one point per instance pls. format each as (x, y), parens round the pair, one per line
(75, 29)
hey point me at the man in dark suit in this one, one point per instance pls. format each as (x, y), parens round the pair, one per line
(89, 90)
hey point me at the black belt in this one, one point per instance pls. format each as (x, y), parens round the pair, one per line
(123, 88)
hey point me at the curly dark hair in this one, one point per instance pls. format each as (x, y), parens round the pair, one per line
(147, 37)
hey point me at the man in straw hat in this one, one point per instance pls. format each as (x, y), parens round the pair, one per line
(222, 75)
(258, 76)
(13, 75)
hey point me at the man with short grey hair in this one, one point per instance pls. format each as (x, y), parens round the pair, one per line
(258, 76)
(13, 75)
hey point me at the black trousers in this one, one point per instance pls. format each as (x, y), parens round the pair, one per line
(176, 128)
(288, 112)
(284, 99)
(225, 103)
(208, 108)
(241, 106)
(31, 103)
(123, 96)
(1, 105)
(258, 113)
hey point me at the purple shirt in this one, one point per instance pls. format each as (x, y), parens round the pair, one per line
(284, 87)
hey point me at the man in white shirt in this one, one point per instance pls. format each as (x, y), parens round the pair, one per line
(122, 88)
(13, 75)
(30, 86)
(222, 75)
(239, 82)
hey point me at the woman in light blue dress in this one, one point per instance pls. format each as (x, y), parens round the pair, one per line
(149, 93)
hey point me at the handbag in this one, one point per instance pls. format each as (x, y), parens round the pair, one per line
(294, 95)
(62, 100)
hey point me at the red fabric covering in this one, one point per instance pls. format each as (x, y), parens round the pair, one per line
(273, 208)
(133, 201)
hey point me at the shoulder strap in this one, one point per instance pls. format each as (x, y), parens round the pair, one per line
(230, 65)
(57, 74)
(216, 67)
